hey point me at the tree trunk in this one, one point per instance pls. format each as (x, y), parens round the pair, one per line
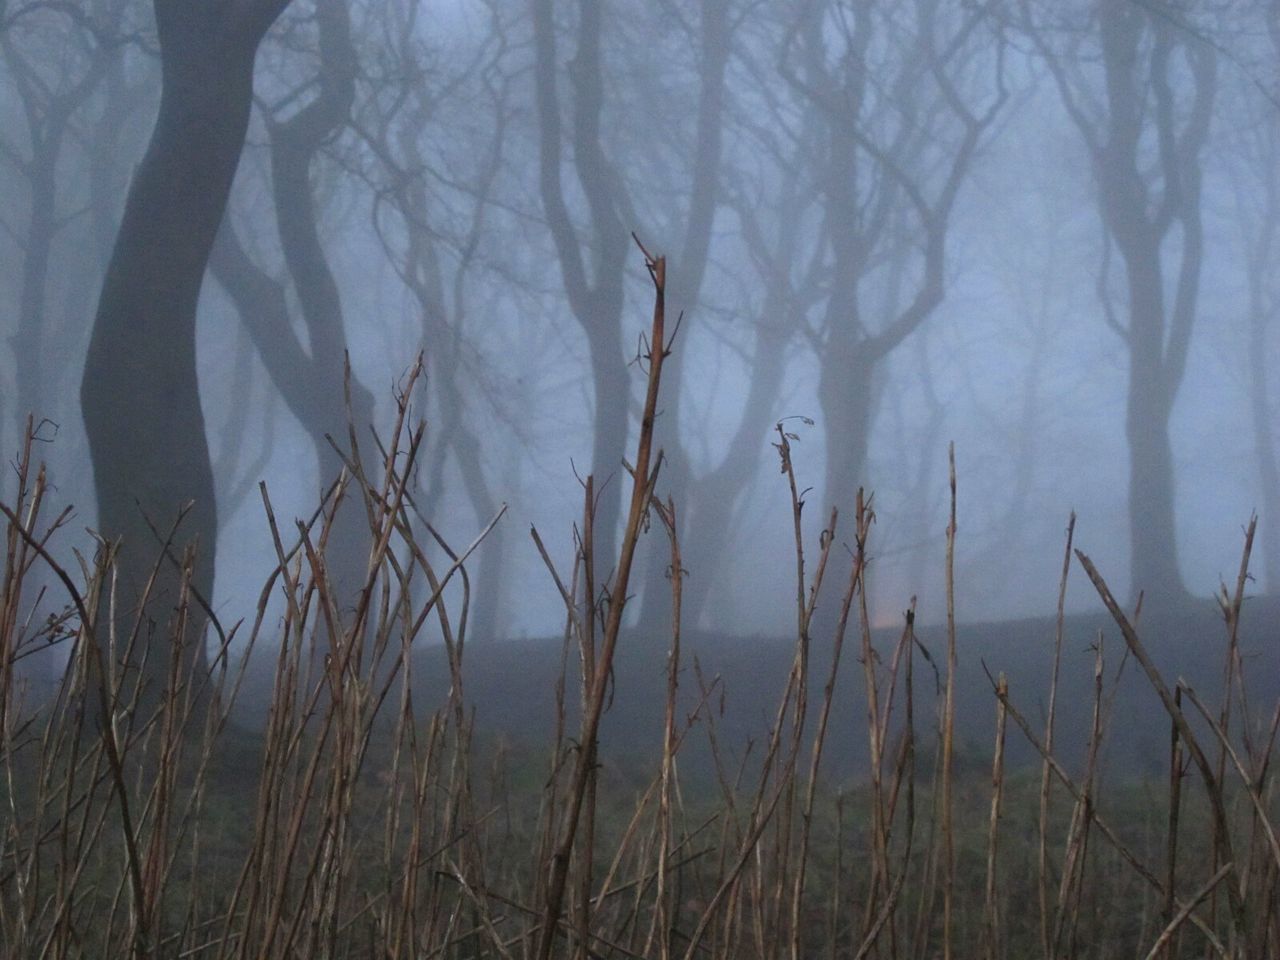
(295, 146)
(1153, 560)
(1154, 557)
(1257, 211)
(713, 504)
(139, 394)
(685, 277)
(847, 395)
(1138, 216)
(592, 271)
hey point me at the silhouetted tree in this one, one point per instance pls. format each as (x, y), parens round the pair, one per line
(712, 40)
(1256, 169)
(56, 57)
(436, 244)
(139, 394)
(906, 93)
(309, 377)
(1144, 113)
(591, 267)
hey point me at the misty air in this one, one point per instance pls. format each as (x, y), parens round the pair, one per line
(602, 479)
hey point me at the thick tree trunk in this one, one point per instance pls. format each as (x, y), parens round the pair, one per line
(139, 394)
(311, 390)
(1152, 539)
(847, 395)
(453, 436)
(1139, 209)
(1152, 522)
(1258, 212)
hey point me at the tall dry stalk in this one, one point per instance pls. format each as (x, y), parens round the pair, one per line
(948, 726)
(644, 476)
(991, 910)
(1046, 781)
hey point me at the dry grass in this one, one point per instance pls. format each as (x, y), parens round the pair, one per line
(360, 823)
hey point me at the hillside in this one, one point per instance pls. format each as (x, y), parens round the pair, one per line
(511, 684)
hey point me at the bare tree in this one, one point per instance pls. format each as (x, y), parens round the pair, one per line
(139, 394)
(591, 267)
(1140, 87)
(907, 93)
(309, 377)
(56, 57)
(711, 39)
(437, 246)
(1256, 181)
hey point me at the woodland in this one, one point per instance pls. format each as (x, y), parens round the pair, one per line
(410, 410)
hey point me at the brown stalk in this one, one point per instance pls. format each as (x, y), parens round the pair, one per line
(948, 724)
(1077, 845)
(877, 730)
(1165, 940)
(771, 915)
(824, 715)
(1251, 788)
(1042, 886)
(141, 939)
(664, 914)
(644, 477)
(991, 913)
(1176, 773)
(1104, 827)
(1212, 784)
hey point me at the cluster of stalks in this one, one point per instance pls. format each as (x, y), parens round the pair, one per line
(360, 823)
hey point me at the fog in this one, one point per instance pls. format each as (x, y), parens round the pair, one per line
(1044, 232)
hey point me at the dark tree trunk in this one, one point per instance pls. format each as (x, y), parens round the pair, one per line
(311, 390)
(1257, 211)
(139, 394)
(1154, 545)
(442, 345)
(891, 174)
